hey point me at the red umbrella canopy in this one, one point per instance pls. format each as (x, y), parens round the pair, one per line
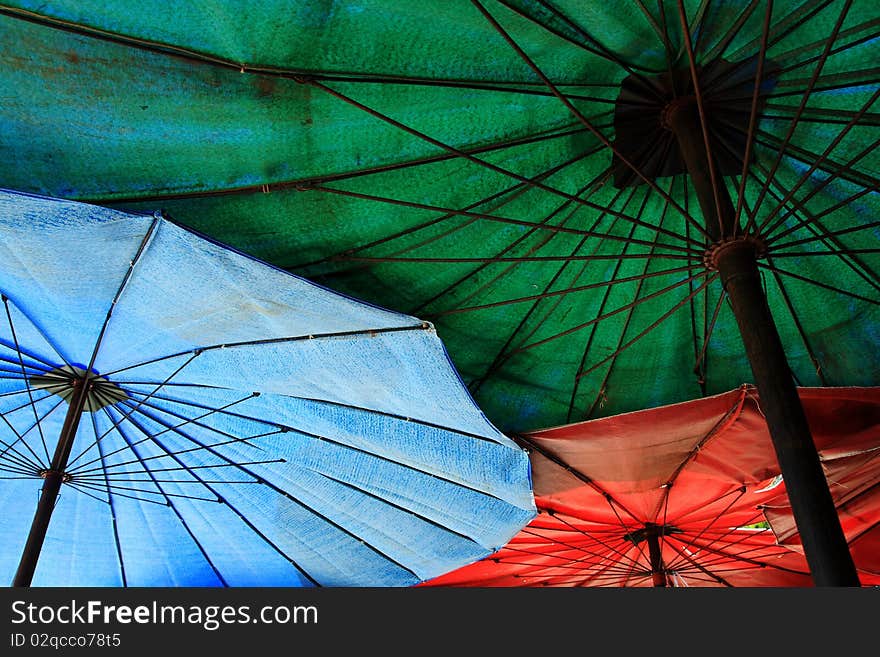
(852, 468)
(673, 496)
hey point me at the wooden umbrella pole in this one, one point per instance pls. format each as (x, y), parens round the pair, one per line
(824, 543)
(53, 477)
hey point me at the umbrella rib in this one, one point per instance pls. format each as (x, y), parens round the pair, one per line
(598, 181)
(577, 474)
(307, 434)
(601, 395)
(800, 154)
(112, 508)
(39, 330)
(799, 325)
(514, 191)
(160, 48)
(723, 423)
(605, 316)
(579, 115)
(785, 27)
(823, 115)
(337, 404)
(303, 184)
(654, 325)
(219, 498)
(652, 21)
(125, 279)
(193, 355)
(517, 222)
(814, 225)
(389, 503)
(41, 364)
(815, 165)
(607, 545)
(818, 44)
(701, 110)
(145, 402)
(26, 378)
(826, 286)
(698, 566)
(240, 467)
(38, 464)
(701, 364)
(422, 326)
(737, 557)
(721, 46)
(602, 51)
(569, 290)
(804, 99)
(753, 120)
(500, 357)
(704, 529)
(835, 233)
(275, 488)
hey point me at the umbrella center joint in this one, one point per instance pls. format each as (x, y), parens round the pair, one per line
(740, 244)
(650, 531)
(45, 473)
(64, 381)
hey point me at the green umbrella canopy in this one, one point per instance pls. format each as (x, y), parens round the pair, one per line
(503, 168)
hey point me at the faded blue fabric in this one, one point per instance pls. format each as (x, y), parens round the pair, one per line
(345, 451)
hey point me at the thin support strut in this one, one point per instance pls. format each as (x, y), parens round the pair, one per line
(53, 477)
(825, 545)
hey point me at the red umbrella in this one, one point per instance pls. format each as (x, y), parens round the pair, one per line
(677, 495)
(852, 468)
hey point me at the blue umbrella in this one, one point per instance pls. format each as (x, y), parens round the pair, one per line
(176, 413)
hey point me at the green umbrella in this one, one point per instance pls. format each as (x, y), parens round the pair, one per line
(597, 204)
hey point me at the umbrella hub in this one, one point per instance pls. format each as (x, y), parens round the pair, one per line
(62, 381)
(650, 531)
(737, 246)
(652, 112)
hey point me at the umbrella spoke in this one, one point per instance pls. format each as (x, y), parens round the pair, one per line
(815, 190)
(10, 447)
(701, 110)
(621, 309)
(720, 48)
(503, 353)
(785, 27)
(583, 119)
(753, 120)
(818, 45)
(805, 279)
(806, 156)
(186, 420)
(26, 377)
(815, 164)
(603, 386)
(698, 566)
(566, 291)
(813, 225)
(598, 181)
(113, 520)
(307, 183)
(218, 498)
(141, 248)
(98, 438)
(623, 556)
(804, 99)
(834, 233)
(597, 49)
(387, 502)
(422, 326)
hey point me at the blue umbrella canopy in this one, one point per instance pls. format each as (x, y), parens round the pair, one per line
(210, 420)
